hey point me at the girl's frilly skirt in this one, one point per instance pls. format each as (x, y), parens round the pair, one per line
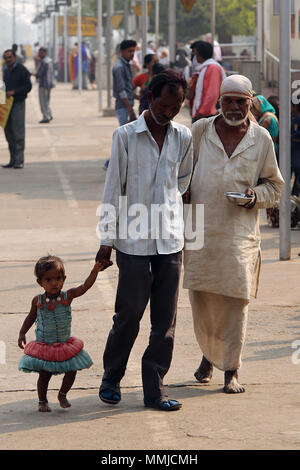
(57, 358)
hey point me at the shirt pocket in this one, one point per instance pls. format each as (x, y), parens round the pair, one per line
(245, 171)
(172, 169)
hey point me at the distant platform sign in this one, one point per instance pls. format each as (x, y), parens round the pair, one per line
(88, 26)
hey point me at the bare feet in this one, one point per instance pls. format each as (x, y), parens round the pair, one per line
(204, 372)
(231, 384)
(43, 406)
(62, 398)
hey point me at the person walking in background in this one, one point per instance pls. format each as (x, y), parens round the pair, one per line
(295, 148)
(61, 63)
(135, 63)
(205, 91)
(157, 68)
(122, 83)
(19, 59)
(85, 68)
(23, 53)
(265, 115)
(274, 100)
(163, 55)
(195, 66)
(45, 76)
(36, 58)
(73, 57)
(182, 61)
(18, 84)
(142, 80)
(92, 71)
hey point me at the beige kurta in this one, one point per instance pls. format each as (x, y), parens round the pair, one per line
(229, 260)
(224, 273)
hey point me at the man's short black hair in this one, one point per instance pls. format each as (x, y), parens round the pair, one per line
(169, 77)
(204, 49)
(127, 43)
(193, 45)
(10, 50)
(147, 59)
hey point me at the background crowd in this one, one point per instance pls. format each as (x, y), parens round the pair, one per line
(199, 62)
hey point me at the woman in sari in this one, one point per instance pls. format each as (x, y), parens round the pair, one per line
(265, 115)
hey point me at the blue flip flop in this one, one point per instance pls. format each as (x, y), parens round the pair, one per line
(110, 392)
(163, 405)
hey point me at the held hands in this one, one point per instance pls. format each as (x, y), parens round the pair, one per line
(103, 257)
(250, 193)
(21, 340)
(101, 265)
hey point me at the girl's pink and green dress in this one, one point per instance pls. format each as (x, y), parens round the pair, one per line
(54, 349)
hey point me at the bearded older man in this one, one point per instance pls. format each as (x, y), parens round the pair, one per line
(231, 153)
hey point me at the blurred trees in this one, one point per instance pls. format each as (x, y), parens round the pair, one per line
(233, 17)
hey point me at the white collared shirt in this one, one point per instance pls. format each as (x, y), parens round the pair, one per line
(147, 181)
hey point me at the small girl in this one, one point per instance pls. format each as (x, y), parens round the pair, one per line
(54, 351)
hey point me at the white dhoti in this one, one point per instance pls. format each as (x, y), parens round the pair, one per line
(220, 327)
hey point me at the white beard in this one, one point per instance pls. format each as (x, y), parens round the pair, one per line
(234, 122)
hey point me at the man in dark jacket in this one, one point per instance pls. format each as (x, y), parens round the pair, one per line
(18, 84)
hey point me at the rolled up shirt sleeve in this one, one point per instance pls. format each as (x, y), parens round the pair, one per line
(120, 86)
(115, 184)
(186, 166)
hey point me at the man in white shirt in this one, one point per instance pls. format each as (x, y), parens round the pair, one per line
(150, 169)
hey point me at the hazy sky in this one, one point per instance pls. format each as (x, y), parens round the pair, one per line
(25, 12)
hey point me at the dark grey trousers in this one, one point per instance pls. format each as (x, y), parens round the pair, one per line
(144, 278)
(44, 97)
(15, 133)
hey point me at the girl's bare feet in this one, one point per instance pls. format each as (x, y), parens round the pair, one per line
(43, 406)
(62, 398)
(204, 372)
